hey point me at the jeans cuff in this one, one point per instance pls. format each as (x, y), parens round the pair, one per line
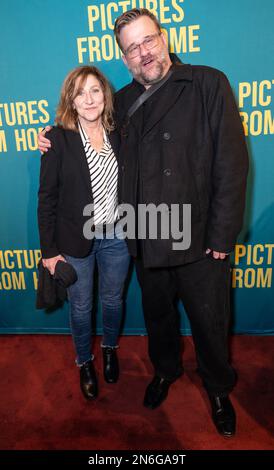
(82, 363)
(111, 347)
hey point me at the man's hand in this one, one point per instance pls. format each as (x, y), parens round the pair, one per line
(50, 263)
(217, 254)
(44, 143)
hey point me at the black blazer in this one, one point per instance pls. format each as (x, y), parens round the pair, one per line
(65, 189)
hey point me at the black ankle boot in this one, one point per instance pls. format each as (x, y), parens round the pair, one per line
(111, 365)
(223, 415)
(156, 392)
(88, 380)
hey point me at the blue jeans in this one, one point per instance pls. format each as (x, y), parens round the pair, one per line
(112, 259)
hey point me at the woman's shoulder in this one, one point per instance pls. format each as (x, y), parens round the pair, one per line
(59, 136)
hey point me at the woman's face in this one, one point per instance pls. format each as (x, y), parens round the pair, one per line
(89, 102)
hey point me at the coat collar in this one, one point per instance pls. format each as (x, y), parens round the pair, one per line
(168, 94)
(180, 72)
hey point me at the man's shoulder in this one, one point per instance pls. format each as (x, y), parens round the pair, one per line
(124, 92)
(209, 77)
(206, 72)
(123, 98)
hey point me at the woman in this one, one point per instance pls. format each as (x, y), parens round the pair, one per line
(80, 168)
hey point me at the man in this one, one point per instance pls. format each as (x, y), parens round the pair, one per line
(183, 145)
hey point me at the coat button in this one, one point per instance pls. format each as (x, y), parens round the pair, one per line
(166, 135)
(123, 167)
(167, 172)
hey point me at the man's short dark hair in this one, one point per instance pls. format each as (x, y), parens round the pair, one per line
(132, 15)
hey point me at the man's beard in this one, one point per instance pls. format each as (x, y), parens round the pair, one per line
(144, 77)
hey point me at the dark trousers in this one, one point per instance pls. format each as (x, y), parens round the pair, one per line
(204, 288)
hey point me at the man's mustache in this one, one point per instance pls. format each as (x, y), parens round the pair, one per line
(146, 59)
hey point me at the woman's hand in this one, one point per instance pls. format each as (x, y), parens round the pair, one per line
(50, 263)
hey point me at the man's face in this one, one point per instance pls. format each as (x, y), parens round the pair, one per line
(148, 65)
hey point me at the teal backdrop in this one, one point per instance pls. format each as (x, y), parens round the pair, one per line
(41, 41)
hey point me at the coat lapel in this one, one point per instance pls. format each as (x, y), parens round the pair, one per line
(114, 142)
(134, 92)
(80, 156)
(168, 94)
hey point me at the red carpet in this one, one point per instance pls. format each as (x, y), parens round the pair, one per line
(42, 407)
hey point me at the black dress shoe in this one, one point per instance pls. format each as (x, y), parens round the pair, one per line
(88, 380)
(156, 392)
(223, 415)
(111, 365)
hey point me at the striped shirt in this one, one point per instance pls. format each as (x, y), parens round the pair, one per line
(103, 170)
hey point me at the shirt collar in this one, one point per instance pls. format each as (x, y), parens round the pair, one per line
(86, 139)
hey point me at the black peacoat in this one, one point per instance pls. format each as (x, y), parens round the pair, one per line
(186, 145)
